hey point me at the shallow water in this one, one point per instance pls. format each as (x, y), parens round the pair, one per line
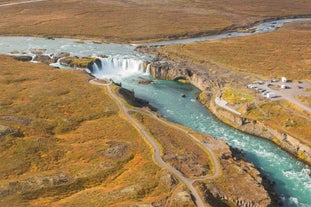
(25, 45)
(261, 28)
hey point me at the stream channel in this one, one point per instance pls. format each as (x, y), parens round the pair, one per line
(291, 177)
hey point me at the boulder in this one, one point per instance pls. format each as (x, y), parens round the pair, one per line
(169, 179)
(50, 38)
(116, 150)
(5, 130)
(23, 58)
(144, 81)
(60, 55)
(43, 59)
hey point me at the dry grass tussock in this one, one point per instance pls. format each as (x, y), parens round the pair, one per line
(62, 142)
(137, 20)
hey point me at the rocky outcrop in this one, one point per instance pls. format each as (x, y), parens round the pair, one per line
(16, 119)
(80, 62)
(129, 96)
(167, 70)
(116, 150)
(60, 55)
(33, 184)
(5, 130)
(240, 184)
(170, 70)
(46, 59)
(145, 81)
(24, 58)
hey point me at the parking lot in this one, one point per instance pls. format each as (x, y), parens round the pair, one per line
(276, 90)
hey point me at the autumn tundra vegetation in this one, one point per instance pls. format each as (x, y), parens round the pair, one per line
(66, 142)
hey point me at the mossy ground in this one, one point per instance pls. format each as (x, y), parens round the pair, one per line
(237, 95)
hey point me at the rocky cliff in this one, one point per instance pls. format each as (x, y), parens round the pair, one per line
(129, 96)
(255, 127)
(169, 70)
(209, 84)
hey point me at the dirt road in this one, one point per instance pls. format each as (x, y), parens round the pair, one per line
(157, 152)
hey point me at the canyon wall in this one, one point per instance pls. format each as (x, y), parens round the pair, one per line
(169, 70)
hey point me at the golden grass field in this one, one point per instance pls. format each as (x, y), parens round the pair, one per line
(285, 52)
(285, 116)
(68, 144)
(137, 20)
(65, 141)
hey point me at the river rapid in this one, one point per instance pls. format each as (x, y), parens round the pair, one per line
(291, 177)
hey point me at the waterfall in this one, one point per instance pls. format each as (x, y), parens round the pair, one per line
(148, 69)
(116, 67)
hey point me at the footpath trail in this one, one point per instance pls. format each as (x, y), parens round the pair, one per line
(189, 182)
(21, 2)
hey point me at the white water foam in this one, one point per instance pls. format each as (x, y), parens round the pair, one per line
(117, 68)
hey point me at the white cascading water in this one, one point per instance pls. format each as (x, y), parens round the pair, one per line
(117, 68)
(148, 69)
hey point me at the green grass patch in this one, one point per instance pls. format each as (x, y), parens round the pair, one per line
(237, 96)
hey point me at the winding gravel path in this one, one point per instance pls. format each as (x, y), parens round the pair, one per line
(157, 152)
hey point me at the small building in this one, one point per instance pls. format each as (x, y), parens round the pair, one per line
(283, 79)
(271, 95)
